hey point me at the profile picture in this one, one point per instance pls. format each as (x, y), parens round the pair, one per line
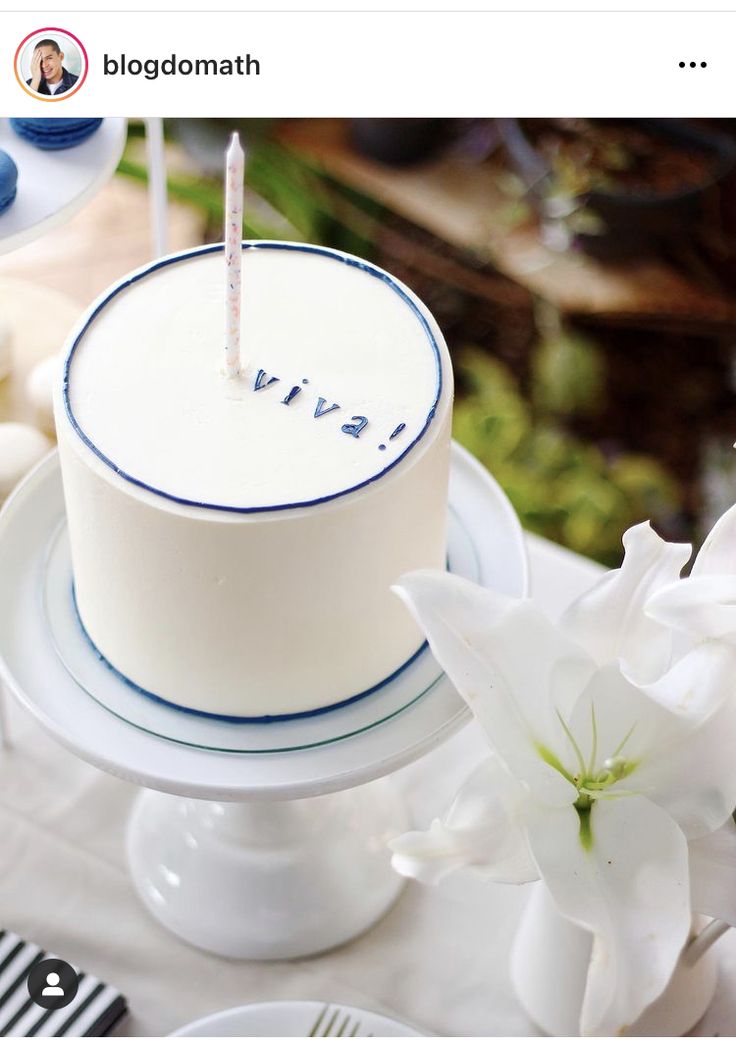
(51, 64)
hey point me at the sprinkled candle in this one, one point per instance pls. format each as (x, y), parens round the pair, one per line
(233, 253)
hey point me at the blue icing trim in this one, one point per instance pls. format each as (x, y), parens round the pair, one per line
(319, 410)
(362, 266)
(398, 430)
(357, 428)
(291, 395)
(262, 719)
(263, 381)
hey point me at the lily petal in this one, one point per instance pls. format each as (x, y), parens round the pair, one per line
(703, 606)
(691, 772)
(512, 666)
(630, 889)
(698, 683)
(609, 619)
(713, 873)
(481, 830)
(718, 553)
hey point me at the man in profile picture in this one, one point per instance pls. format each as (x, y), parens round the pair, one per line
(48, 75)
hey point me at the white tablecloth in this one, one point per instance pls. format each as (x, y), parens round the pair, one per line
(438, 959)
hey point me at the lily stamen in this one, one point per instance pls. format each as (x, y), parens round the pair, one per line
(590, 781)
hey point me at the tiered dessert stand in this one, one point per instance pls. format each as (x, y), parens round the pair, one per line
(252, 840)
(53, 185)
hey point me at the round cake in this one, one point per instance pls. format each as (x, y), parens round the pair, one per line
(234, 539)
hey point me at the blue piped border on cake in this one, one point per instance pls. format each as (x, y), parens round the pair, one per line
(364, 266)
(242, 720)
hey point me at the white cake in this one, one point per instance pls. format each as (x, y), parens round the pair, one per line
(234, 539)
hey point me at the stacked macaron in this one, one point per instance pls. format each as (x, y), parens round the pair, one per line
(8, 181)
(47, 132)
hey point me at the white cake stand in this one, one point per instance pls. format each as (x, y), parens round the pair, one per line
(54, 184)
(258, 852)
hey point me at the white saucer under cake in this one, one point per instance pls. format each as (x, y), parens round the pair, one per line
(225, 851)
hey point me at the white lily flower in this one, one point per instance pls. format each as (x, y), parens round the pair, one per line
(613, 793)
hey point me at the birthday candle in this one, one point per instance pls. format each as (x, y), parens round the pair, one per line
(233, 253)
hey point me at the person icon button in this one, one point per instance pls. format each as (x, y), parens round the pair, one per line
(52, 983)
(52, 988)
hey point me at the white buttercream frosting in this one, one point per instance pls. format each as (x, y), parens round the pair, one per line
(147, 387)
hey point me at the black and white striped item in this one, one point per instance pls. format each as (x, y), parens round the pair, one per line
(94, 1012)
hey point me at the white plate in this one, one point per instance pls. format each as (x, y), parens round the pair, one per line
(54, 184)
(345, 756)
(295, 1019)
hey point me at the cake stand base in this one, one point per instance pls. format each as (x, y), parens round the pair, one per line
(267, 880)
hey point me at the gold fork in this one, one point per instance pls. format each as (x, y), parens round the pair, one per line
(329, 1025)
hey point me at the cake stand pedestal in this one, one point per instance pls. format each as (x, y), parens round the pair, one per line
(275, 847)
(267, 879)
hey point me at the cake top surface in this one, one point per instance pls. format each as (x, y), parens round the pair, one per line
(340, 379)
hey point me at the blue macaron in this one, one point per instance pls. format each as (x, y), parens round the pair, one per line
(49, 132)
(8, 181)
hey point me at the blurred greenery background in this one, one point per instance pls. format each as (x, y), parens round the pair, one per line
(582, 272)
